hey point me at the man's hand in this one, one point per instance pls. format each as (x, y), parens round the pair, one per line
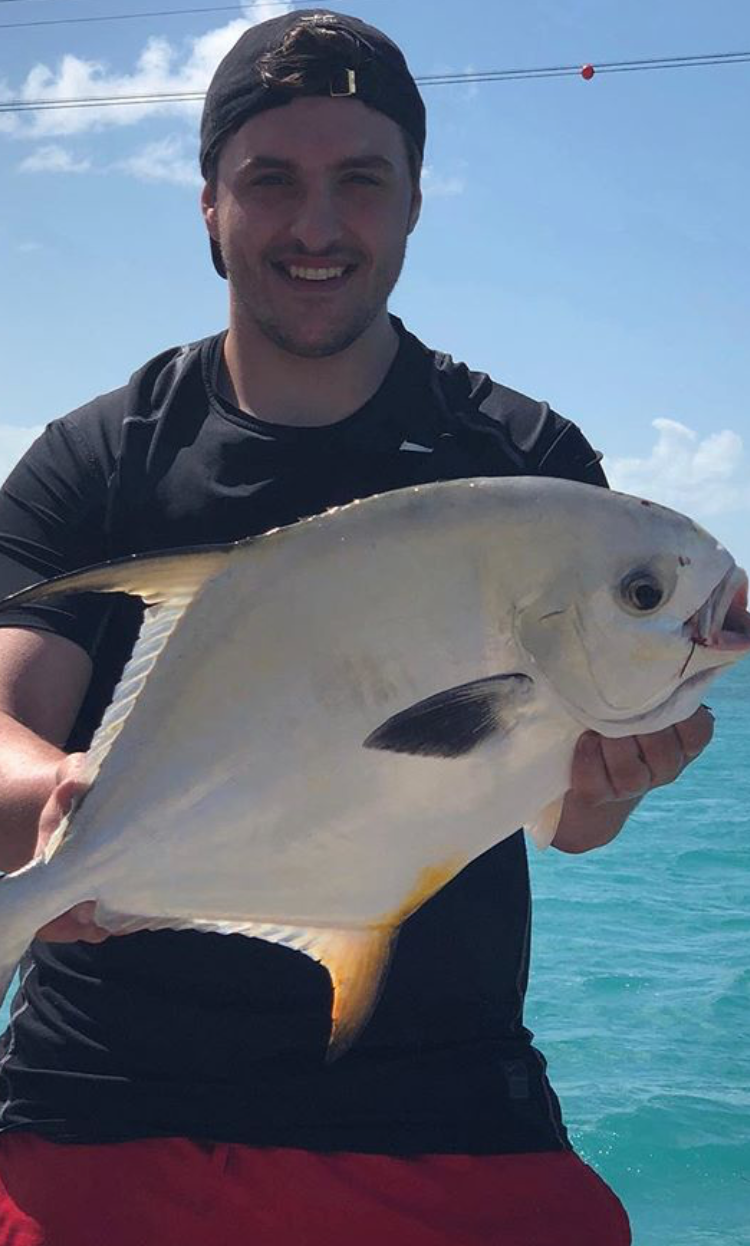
(610, 777)
(77, 923)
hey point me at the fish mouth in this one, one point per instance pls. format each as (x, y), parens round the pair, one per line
(723, 623)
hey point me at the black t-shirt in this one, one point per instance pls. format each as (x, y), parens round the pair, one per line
(224, 1037)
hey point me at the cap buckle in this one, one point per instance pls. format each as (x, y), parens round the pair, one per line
(347, 77)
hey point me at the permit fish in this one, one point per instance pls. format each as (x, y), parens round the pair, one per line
(320, 727)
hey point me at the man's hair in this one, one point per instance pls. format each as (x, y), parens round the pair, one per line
(308, 59)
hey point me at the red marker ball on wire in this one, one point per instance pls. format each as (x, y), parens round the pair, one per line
(587, 72)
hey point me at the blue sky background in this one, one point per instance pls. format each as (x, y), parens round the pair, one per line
(586, 242)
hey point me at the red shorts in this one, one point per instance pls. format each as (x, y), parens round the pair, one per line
(171, 1192)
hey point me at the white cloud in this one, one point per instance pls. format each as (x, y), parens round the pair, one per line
(14, 442)
(701, 476)
(26, 248)
(438, 186)
(53, 159)
(168, 160)
(161, 68)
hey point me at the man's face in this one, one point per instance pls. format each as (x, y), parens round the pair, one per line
(312, 207)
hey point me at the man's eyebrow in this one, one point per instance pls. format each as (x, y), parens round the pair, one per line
(366, 162)
(265, 162)
(350, 162)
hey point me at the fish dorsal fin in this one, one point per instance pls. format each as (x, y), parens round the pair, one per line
(163, 580)
(356, 959)
(158, 625)
(169, 577)
(454, 722)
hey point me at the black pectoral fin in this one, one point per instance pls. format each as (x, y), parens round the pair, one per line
(452, 723)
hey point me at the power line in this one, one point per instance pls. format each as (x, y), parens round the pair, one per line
(447, 79)
(104, 101)
(601, 67)
(126, 17)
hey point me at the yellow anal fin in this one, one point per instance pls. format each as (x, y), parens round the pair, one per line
(357, 960)
(170, 577)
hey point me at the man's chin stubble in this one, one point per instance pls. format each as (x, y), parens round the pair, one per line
(337, 342)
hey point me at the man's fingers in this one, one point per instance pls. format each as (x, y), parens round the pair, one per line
(663, 754)
(629, 773)
(610, 770)
(589, 778)
(67, 791)
(604, 770)
(69, 786)
(76, 924)
(668, 752)
(70, 782)
(696, 732)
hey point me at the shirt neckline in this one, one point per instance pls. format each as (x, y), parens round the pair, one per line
(373, 422)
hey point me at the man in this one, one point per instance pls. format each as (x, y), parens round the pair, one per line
(171, 1087)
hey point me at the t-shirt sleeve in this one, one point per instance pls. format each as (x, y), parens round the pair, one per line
(52, 521)
(535, 437)
(561, 450)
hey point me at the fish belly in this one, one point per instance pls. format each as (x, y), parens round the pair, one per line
(349, 839)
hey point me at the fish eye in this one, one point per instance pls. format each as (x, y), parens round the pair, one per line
(642, 591)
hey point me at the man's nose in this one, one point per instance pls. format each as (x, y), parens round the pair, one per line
(317, 224)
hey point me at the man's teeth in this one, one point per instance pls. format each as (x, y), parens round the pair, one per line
(314, 274)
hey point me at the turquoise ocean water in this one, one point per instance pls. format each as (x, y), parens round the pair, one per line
(640, 995)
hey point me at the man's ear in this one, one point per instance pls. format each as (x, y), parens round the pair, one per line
(416, 208)
(208, 209)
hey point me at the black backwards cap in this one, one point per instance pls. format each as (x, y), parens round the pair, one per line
(366, 65)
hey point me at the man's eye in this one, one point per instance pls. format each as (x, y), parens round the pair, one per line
(363, 179)
(271, 179)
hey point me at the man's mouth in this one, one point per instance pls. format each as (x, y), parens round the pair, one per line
(322, 276)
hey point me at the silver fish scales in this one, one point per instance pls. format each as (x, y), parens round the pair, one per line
(319, 727)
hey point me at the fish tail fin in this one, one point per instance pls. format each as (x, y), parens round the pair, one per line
(16, 926)
(8, 970)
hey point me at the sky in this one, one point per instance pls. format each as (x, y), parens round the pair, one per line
(583, 241)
